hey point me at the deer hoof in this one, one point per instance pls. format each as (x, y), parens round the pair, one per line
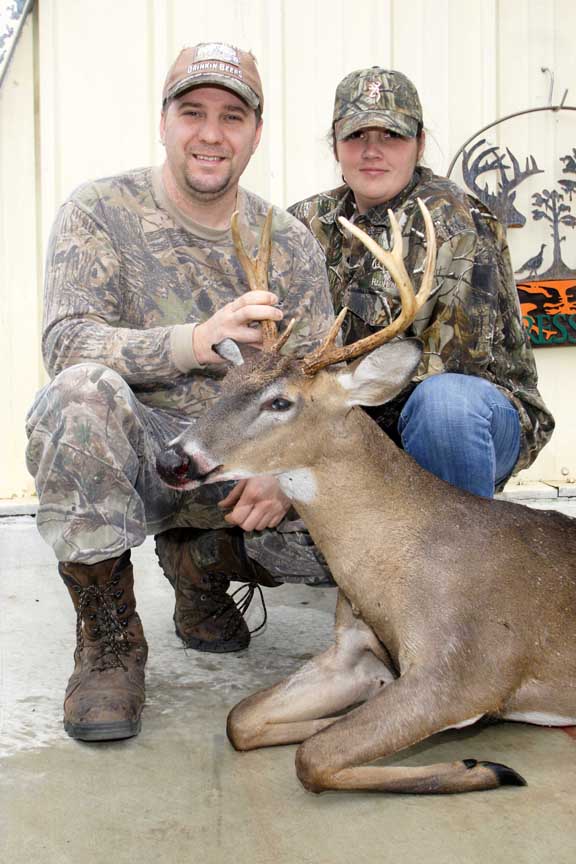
(506, 776)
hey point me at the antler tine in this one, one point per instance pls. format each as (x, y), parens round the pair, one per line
(333, 333)
(256, 270)
(393, 260)
(285, 336)
(430, 263)
(263, 258)
(269, 329)
(327, 353)
(243, 257)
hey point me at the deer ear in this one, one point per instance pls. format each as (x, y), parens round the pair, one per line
(382, 374)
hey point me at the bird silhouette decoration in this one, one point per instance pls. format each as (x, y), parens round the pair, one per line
(569, 162)
(532, 265)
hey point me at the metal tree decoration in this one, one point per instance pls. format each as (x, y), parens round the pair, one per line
(551, 206)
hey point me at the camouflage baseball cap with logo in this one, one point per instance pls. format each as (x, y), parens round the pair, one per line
(376, 97)
(215, 63)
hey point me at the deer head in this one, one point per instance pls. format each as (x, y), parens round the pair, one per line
(274, 410)
(501, 202)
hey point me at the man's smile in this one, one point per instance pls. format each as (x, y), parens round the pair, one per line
(202, 157)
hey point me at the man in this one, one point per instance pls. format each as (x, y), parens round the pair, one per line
(142, 281)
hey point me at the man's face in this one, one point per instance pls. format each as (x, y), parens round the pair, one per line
(377, 164)
(209, 134)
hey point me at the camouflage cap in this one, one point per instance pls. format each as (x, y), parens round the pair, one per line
(215, 63)
(376, 97)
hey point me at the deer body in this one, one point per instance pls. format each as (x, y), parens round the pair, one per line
(486, 553)
(451, 607)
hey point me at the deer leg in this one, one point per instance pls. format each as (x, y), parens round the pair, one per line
(352, 670)
(409, 710)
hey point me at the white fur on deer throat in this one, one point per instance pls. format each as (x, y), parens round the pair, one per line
(299, 485)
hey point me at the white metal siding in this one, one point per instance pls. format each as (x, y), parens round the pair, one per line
(100, 66)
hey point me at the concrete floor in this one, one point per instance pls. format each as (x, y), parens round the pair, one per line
(179, 793)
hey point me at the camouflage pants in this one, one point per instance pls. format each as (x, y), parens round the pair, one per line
(92, 450)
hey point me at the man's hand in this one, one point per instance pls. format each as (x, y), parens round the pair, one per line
(256, 504)
(232, 321)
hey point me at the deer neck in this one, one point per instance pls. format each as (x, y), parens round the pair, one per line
(358, 476)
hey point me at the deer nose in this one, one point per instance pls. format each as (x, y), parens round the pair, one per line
(175, 467)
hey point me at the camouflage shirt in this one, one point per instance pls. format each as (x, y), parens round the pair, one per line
(471, 323)
(128, 276)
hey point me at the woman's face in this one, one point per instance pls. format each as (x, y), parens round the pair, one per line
(378, 164)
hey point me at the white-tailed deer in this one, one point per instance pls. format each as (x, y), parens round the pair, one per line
(451, 607)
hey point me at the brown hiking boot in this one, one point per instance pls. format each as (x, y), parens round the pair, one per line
(199, 565)
(105, 694)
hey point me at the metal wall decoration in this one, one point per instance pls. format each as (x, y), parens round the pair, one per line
(546, 279)
(501, 202)
(548, 297)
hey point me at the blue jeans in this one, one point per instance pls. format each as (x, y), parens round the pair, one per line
(462, 429)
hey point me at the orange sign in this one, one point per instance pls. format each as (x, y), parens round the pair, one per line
(549, 310)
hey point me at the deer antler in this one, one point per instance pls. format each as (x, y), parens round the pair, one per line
(329, 353)
(519, 175)
(256, 270)
(501, 202)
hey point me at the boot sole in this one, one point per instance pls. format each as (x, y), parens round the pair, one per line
(103, 731)
(220, 646)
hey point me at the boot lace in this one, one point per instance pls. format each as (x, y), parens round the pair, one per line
(243, 597)
(113, 642)
(232, 609)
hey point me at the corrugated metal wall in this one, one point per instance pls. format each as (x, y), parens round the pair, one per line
(20, 291)
(81, 100)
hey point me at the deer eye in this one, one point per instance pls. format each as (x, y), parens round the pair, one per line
(277, 404)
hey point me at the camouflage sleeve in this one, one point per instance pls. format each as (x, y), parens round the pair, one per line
(83, 306)
(305, 296)
(472, 324)
(457, 322)
(473, 317)
(513, 366)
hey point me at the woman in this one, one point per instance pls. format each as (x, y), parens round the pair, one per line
(483, 417)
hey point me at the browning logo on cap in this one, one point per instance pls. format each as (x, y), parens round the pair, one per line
(373, 90)
(376, 97)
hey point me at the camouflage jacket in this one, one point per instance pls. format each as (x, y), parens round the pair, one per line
(471, 323)
(128, 275)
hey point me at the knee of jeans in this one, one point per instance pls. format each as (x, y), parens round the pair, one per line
(445, 400)
(429, 403)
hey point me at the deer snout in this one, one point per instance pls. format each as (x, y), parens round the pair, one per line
(175, 467)
(178, 469)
